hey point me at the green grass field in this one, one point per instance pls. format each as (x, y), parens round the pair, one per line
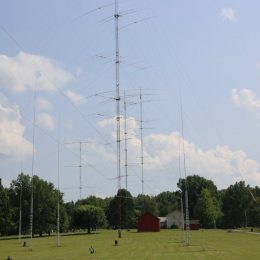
(167, 244)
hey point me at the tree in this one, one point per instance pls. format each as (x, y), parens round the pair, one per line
(88, 217)
(19, 195)
(69, 207)
(95, 201)
(253, 213)
(145, 203)
(6, 224)
(120, 212)
(45, 205)
(195, 184)
(207, 209)
(236, 201)
(45, 199)
(166, 202)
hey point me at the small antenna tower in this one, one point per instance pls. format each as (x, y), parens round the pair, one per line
(79, 166)
(181, 192)
(58, 201)
(141, 137)
(187, 218)
(20, 212)
(125, 135)
(32, 174)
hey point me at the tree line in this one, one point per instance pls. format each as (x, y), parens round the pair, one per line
(236, 206)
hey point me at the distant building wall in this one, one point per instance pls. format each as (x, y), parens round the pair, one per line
(163, 222)
(148, 223)
(194, 224)
(174, 219)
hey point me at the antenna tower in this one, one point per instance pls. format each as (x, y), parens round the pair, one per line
(187, 218)
(125, 135)
(117, 63)
(80, 165)
(33, 153)
(58, 201)
(20, 212)
(141, 136)
(181, 192)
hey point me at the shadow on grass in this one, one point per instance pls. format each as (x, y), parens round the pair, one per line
(52, 235)
(199, 249)
(80, 233)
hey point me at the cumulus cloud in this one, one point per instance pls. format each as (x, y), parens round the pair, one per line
(46, 121)
(247, 99)
(43, 104)
(97, 153)
(6, 183)
(219, 163)
(228, 14)
(131, 122)
(75, 97)
(13, 143)
(27, 71)
(161, 153)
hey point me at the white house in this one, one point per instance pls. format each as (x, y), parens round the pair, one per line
(174, 218)
(163, 222)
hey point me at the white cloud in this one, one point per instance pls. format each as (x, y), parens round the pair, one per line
(219, 163)
(228, 14)
(46, 121)
(98, 153)
(13, 144)
(75, 97)
(43, 104)
(131, 122)
(27, 71)
(161, 153)
(6, 183)
(247, 99)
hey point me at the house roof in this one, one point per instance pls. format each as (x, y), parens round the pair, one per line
(163, 219)
(147, 213)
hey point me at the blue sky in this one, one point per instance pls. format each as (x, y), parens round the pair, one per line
(63, 51)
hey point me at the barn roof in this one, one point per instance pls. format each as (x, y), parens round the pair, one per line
(150, 214)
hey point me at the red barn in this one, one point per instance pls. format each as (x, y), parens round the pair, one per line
(194, 224)
(148, 223)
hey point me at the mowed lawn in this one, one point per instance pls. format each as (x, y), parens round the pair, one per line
(167, 244)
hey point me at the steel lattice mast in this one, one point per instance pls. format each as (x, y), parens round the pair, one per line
(117, 63)
(117, 98)
(125, 135)
(187, 217)
(181, 192)
(80, 170)
(58, 200)
(141, 137)
(32, 174)
(20, 212)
